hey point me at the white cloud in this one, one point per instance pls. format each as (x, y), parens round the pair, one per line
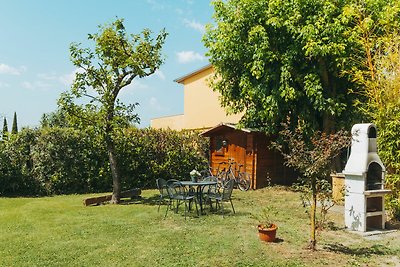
(154, 104)
(129, 90)
(160, 75)
(47, 76)
(65, 79)
(68, 79)
(179, 11)
(6, 69)
(138, 85)
(189, 56)
(4, 85)
(155, 5)
(194, 25)
(36, 85)
(27, 85)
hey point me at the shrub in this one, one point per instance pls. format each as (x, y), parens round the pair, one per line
(16, 165)
(148, 154)
(66, 161)
(60, 160)
(392, 201)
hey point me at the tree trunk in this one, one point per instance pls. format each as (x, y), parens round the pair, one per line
(115, 199)
(313, 240)
(114, 172)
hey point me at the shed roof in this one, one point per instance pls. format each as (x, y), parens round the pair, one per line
(223, 125)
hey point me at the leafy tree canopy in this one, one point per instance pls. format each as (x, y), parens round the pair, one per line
(276, 59)
(117, 59)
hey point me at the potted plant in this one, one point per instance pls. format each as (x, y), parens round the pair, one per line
(266, 228)
(194, 174)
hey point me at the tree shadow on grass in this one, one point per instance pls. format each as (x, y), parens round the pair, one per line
(362, 251)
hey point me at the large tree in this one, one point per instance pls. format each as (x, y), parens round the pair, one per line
(276, 59)
(117, 59)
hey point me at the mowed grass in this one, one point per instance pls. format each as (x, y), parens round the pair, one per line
(60, 231)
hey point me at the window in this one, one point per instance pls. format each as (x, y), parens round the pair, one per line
(220, 145)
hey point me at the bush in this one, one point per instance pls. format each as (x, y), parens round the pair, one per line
(148, 154)
(66, 161)
(392, 201)
(16, 165)
(61, 160)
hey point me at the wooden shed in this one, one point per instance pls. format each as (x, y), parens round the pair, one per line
(252, 149)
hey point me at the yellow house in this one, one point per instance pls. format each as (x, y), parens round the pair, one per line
(202, 109)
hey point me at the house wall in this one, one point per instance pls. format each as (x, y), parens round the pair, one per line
(202, 109)
(201, 104)
(172, 122)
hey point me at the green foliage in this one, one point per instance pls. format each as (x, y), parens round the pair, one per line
(56, 160)
(381, 87)
(5, 130)
(16, 165)
(116, 60)
(66, 160)
(392, 201)
(276, 59)
(312, 156)
(14, 129)
(164, 154)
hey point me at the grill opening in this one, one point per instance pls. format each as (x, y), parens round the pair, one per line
(374, 222)
(374, 204)
(372, 132)
(374, 177)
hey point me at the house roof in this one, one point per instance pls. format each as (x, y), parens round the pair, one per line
(181, 79)
(223, 125)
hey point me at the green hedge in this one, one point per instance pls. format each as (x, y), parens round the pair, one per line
(388, 123)
(55, 160)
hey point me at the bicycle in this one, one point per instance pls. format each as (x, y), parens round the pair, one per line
(231, 172)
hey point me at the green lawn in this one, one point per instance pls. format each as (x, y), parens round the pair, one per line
(60, 231)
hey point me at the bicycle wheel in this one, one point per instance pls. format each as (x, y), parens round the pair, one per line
(244, 181)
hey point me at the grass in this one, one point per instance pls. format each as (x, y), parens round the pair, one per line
(60, 231)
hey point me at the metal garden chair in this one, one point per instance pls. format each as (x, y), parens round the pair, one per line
(178, 192)
(162, 187)
(224, 196)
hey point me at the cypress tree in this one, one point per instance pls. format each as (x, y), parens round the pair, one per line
(5, 129)
(14, 129)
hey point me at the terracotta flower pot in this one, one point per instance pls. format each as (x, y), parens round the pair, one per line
(267, 234)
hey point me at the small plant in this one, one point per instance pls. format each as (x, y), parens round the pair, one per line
(195, 173)
(325, 200)
(312, 156)
(264, 217)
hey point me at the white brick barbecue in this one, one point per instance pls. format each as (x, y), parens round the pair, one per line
(364, 182)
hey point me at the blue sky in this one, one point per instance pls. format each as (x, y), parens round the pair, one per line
(34, 51)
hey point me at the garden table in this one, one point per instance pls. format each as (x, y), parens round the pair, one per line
(199, 189)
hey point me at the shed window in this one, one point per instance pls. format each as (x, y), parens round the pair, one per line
(219, 145)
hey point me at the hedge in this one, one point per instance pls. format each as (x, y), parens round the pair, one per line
(48, 161)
